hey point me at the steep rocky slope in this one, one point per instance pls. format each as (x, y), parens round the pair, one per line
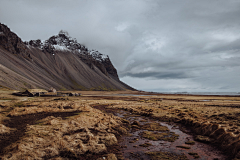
(59, 62)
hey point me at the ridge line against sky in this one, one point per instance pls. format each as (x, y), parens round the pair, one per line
(156, 45)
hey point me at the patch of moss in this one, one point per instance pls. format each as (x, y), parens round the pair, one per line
(166, 156)
(195, 155)
(154, 127)
(204, 139)
(143, 120)
(164, 136)
(145, 144)
(190, 142)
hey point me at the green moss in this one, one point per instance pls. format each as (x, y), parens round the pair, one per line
(154, 127)
(145, 145)
(204, 139)
(195, 155)
(143, 120)
(166, 156)
(155, 136)
(190, 142)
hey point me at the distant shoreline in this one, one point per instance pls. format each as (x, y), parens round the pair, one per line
(205, 93)
(234, 94)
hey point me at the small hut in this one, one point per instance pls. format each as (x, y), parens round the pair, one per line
(31, 92)
(28, 93)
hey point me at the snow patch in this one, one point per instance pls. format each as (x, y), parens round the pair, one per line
(104, 56)
(97, 55)
(60, 48)
(63, 42)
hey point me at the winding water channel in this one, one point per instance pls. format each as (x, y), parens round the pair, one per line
(132, 149)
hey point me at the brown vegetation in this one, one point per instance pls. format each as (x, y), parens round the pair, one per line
(165, 155)
(72, 127)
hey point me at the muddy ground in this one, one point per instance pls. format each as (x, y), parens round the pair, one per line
(119, 125)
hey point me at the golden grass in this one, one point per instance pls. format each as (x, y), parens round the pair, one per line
(92, 130)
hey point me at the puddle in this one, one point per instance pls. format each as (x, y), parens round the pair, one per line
(205, 100)
(132, 150)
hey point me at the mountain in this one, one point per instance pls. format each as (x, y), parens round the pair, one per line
(60, 62)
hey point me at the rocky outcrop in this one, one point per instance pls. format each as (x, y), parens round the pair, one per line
(12, 43)
(110, 68)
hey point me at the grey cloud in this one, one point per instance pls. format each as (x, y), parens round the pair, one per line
(227, 46)
(193, 44)
(157, 75)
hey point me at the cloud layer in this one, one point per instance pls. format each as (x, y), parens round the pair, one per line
(157, 45)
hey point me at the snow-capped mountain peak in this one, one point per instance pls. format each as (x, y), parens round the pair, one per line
(63, 42)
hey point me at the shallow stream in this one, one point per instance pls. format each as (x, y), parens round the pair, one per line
(132, 150)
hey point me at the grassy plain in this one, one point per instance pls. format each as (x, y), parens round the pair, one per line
(70, 127)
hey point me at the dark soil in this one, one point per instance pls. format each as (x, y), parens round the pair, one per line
(20, 123)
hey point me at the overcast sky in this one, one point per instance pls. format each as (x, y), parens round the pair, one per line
(156, 45)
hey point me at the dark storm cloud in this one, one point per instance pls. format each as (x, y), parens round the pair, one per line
(192, 45)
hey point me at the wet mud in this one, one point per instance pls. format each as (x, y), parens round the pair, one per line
(137, 146)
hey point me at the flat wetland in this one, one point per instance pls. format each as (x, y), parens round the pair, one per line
(120, 125)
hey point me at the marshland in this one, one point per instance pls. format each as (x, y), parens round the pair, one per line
(116, 125)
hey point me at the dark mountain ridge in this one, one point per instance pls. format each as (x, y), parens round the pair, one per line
(63, 42)
(60, 62)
